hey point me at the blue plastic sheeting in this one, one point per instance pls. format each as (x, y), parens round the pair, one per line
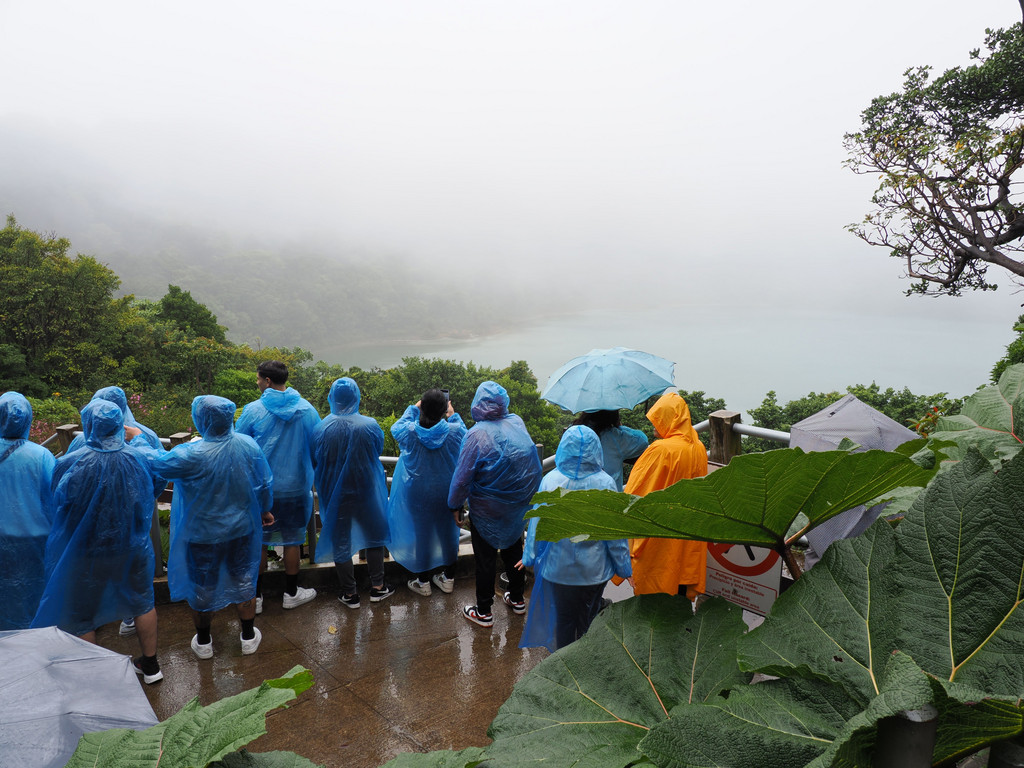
(117, 396)
(350, 480)
(25, 515)
(56, 689)
(99, 557)
(222, 487)
(498, 470)
(578, 463)
(424, 535)
(282, 423)
(621, 443)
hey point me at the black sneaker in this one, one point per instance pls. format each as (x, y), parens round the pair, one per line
(483, 619)
(352, 601)
(147, 677)
(381, 593)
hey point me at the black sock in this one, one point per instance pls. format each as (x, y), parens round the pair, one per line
(248, 630)
(259, 585)
(203, 635)
(149, 665)
(291, 584)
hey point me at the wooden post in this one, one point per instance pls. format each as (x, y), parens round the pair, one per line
(724, 442)
(65, 434)
(907, 740)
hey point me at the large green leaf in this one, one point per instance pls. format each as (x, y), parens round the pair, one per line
(590, 703)
(990, 419)
(245, 759)
(194, 736)
(753, 500)
(774, 724)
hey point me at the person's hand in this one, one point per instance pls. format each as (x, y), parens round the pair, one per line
(268, 518)
(459, 516)
(451, 411)
(418, 403)
(130, 433)
(519, 566)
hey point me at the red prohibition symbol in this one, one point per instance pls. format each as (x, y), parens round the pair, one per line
(760, 562)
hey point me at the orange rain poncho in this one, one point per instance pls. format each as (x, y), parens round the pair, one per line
(662, 565)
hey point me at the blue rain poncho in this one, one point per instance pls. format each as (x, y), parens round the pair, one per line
(282, 424)
(117, 396)
(578, 463)
(222, 487)
(99, 557)
(25, 514)
(498, 470)
(350, 480)
(424, 535)
(621, 443)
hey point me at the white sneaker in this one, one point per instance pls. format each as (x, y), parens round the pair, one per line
(419, 587)
(250, 646)
(302, 596)
(127, 628)
(200, 650)
(443, 583)
(259, 605)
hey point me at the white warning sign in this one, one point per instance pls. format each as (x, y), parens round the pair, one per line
(744, 575)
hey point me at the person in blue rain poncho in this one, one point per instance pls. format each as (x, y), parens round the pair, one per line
(353, 492)
(619, 443)
(423, 535)
(571, 576)
(222, 499)
(282, 423)
(99, 557)
(117, 396)
(497, 473)
(25, 514)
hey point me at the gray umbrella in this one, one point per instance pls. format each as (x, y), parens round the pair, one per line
(54, 687)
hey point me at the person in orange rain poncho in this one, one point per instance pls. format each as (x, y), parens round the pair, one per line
(667, 565)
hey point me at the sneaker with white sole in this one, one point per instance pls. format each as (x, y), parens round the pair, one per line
(350, 601)
(419, 587)
(147, 678)
(259, 605)
(250, 646)
(127, 628)
(472, 614)
(518, 606)
(202, 650)
(381, 593)
(443, 583)
(302, 596)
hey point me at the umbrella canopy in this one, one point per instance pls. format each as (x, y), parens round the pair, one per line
(609, 379)
(54, 687)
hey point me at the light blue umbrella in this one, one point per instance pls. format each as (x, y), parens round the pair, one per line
(609, 379)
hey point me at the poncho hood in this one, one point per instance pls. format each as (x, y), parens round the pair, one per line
(433, 437)
(344, 397)
(282, 405)
(213, 416)
(116, 396)
(490, 402)
(670, 415)
(579, 453)
(103, 424)
(15, 416)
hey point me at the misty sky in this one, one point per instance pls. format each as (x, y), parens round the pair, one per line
(695, 147)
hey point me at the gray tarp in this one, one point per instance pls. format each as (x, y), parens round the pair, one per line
(823, 431)
(54, 687)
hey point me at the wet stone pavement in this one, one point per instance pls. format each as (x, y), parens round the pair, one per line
(408, 674)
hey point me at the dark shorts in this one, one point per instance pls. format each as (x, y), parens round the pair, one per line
(289, 521)
(219, 567)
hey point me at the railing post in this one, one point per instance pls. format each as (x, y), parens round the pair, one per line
(65, 434)
(724, 442)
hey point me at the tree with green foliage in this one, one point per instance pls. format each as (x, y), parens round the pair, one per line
(1014, 352)
(949, 153)
(59, 313)
(178, 308)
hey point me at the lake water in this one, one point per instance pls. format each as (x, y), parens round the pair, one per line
(944, 345)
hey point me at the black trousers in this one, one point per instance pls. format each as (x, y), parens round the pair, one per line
(486, 558)
(575, 609)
